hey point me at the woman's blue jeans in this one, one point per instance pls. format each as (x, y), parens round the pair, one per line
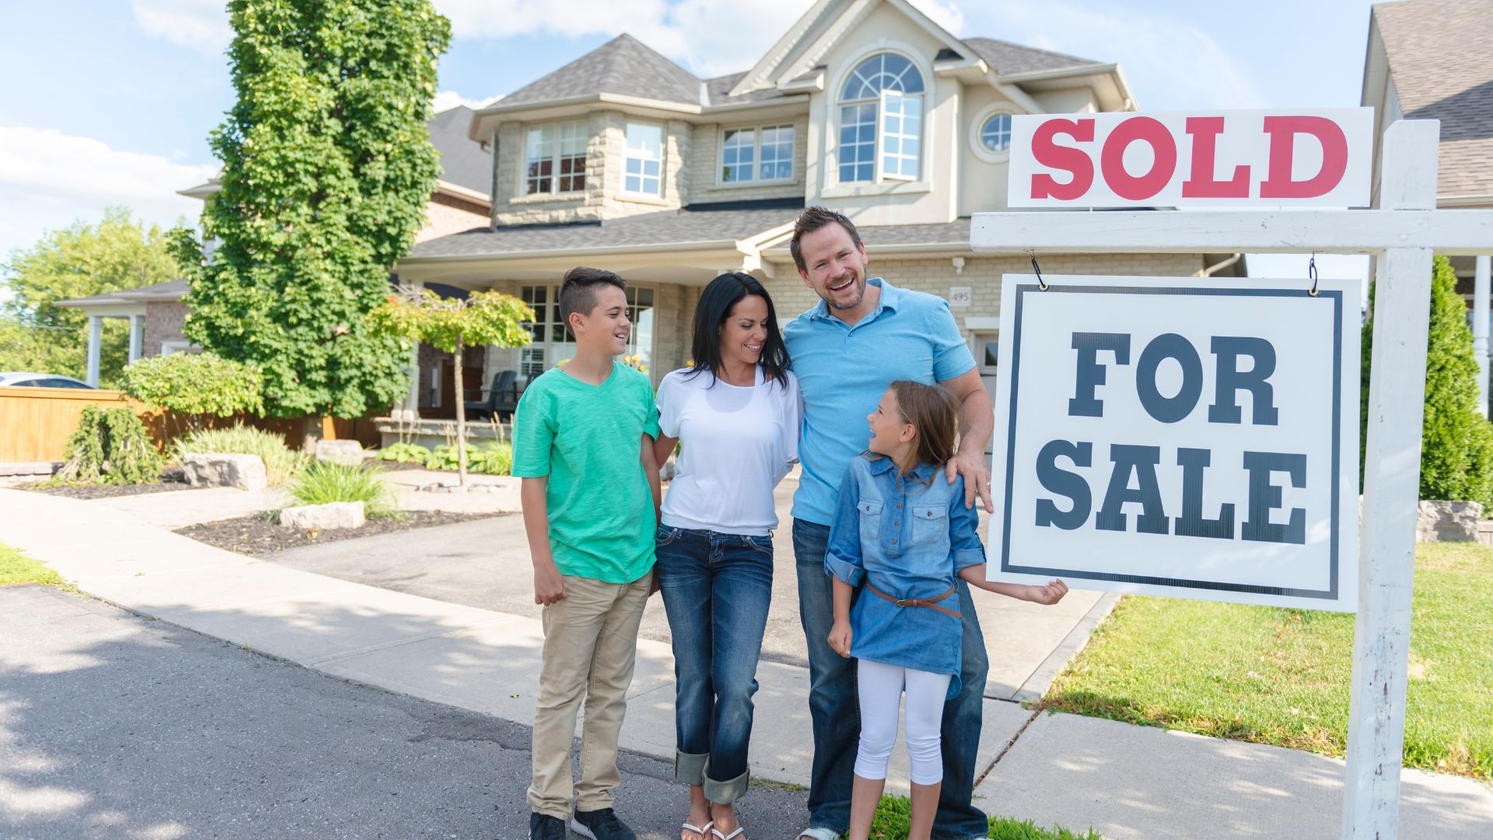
(716, 589)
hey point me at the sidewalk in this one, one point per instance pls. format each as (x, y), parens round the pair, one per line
(1127, 781)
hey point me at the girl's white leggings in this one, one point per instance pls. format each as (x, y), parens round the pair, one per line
(880, 688)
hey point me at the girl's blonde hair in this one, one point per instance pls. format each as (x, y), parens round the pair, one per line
(934, 411)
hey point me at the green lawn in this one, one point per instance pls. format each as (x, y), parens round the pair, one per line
(1278, 676)
(893, 813)
(16, 567)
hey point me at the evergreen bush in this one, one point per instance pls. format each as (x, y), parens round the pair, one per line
(1456, 460)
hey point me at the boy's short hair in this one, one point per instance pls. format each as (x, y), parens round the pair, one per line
(578, 292)
(813, 219)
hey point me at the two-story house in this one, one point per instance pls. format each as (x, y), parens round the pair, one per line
(624, 160)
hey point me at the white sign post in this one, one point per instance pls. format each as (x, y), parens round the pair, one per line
(1168, 437)
(1401, 235)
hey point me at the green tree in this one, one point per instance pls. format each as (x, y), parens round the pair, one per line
(1456, 459)
(327, 168)
(78, 261)
(452, 325)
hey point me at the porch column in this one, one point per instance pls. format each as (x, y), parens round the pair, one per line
(412, 399)
(95, 338)
(1480, 292)
(137, 336)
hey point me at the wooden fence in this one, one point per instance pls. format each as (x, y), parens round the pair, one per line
(35, 423)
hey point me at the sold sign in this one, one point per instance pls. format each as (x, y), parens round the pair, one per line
(1227, 158)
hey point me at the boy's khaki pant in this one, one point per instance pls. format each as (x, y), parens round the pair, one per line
(590, 647)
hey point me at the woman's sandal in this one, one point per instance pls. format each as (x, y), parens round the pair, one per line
(709, 827)
(732, 836)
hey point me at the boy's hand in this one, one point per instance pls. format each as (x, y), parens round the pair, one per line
(839, 638)
(549, 585)
(1050, 594)
(653, 587)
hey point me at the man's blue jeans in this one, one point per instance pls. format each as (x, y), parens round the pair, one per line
(717, 588)
(835, 711)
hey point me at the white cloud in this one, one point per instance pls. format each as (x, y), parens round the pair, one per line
(199, 24)
(448, 99)
(49, 180)
(1171, 65)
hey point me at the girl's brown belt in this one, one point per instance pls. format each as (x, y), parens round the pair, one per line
(918, 602)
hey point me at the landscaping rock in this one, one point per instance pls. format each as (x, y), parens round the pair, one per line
(327, 517)
(1439, 521)
(348, 452)
(245, 472)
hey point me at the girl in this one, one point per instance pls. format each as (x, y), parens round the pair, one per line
(737, 412)
(905, 535)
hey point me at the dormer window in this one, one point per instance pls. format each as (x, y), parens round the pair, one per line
(555, 158)
(884, 95)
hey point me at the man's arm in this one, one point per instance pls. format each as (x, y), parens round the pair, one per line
(549, 586)
(977, 424)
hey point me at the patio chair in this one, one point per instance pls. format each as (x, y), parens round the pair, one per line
(502, 398)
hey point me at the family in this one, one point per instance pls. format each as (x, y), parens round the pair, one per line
(874, 392)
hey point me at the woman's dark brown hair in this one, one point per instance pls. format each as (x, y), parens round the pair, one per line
(934, 411)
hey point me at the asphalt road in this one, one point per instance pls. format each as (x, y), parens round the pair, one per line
(115, 726)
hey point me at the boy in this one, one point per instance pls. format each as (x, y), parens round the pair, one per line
(583, 446)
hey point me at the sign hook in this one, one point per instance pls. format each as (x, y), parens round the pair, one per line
(1311, 272)
(1041, 284)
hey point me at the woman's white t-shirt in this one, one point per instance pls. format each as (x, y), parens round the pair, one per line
(738, 444)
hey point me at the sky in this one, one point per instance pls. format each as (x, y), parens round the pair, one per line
(110, 102)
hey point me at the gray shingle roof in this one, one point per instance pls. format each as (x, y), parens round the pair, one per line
(719, 90)
(624, 66)
(1441, 59)
(1006, 58)
(463, 162)
(169, 291)
(670, 230)
(952, 235)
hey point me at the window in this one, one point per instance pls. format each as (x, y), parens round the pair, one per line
(757, 154)
(645, 146)
(987, 347)
(555, 158)
(890, 86)
(553, 341)
(995, 133)
(640, 313)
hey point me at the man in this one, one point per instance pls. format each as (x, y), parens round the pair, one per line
(863, 335)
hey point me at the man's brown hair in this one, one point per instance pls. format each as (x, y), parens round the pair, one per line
(813, 219)
(578, 292)
(934, 410)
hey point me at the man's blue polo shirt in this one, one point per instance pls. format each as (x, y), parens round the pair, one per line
(843, 371)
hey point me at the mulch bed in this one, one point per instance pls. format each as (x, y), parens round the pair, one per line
(256, 535)
(170, 481)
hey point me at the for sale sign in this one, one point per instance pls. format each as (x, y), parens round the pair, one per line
(1319, 158)
(1177, 437)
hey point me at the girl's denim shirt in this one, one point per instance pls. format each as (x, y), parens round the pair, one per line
(907, 537)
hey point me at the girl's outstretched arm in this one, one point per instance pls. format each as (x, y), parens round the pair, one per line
(1050, 594)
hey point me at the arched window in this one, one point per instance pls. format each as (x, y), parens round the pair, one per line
(884, 95)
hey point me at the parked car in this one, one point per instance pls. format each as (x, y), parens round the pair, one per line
(40, 380)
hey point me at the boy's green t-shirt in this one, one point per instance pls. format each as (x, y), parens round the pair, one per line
(587, 440)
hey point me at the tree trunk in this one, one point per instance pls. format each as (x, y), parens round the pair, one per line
(461, 418)
(311, 433)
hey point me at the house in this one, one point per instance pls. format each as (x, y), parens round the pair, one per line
(625, 160)
(1430, 60)
(156, 313)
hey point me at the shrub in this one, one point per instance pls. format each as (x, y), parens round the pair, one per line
(280, 464)
(196, 383)
(110, 446)
(491, 458)
(1456, 460)
(404, 451)
(324, 482)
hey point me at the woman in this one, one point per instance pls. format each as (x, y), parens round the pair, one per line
(736, 411)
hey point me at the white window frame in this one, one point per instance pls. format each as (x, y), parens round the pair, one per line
(981, 338)
(179, 346)
(557, 143)
(628, 156)
(837, 106)
(977, 131)
(754, 181)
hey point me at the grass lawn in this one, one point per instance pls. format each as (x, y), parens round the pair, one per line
(16, 567)
(893, 813)
(1282, 677)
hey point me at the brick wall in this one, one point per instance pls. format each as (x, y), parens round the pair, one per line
(163, 322)
(445, 215)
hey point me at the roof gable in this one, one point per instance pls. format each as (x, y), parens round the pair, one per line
(623, 66)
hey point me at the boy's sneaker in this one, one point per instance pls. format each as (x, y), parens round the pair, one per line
(601, 824)
(545, 827)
